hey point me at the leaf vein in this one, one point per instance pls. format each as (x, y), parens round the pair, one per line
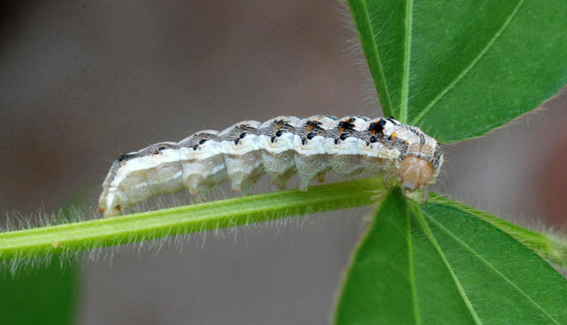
(360, 12)
(460, 288)
(495, 270)
(412, 271)
(406, 68)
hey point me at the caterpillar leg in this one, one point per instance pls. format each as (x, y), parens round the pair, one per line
(305, 179)
(421, 195)
(244, 182)
(281, 179)
(425, 191)
(238, 181)
(280, 167)
(194, 182)
(200, 197)
(310, 168)
(389, 179)
(199, 186)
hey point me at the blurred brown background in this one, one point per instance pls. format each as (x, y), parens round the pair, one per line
(82, 82)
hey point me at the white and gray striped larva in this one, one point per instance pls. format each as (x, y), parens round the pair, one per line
(280, 147)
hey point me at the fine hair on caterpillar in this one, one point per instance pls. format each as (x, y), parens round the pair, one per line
(280, 148)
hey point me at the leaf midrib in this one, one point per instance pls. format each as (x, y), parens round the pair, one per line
(403, 116)
(411, 270)
(364, 19)
(456, 280)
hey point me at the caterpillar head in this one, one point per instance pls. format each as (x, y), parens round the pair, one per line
(416, 172)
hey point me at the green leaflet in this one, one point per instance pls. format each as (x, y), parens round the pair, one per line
(461, 68)
(547, 246)
(437, 264)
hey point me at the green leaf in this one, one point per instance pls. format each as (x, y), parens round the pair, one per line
(551, 248)
(462, 68)
(437, 264)
(44, 295)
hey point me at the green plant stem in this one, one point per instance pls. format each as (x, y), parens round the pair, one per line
(92, 234)
(86, 235)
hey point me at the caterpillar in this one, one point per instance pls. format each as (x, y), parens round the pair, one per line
(279, 147)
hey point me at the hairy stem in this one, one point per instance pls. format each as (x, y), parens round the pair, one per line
(86, 235)
(152, 225)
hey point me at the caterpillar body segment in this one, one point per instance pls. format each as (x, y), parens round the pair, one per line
(280, 148)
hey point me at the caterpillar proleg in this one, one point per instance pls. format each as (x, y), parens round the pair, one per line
(279, 147)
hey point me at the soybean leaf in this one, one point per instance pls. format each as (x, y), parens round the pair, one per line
(438, 264)
(552, 248)
(461, 68)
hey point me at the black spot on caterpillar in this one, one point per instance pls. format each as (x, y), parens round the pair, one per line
(279, 147)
